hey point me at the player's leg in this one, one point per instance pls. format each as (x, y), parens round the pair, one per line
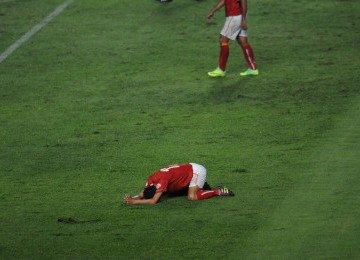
(223, 57)
(229, 32)
(196, 188)
(197, 183)
(192, 193)
(196, 193)
(224, 52)
(242, 39)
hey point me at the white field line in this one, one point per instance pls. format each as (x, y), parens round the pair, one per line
(34, 30)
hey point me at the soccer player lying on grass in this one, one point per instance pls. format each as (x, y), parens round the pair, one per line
(173, 179)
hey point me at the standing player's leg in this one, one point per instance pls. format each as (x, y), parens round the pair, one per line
(224, 52)
(242, 39)
(223, 57)
(229, 32)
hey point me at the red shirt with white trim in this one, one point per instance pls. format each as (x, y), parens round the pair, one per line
(171, 178)
(232, 8)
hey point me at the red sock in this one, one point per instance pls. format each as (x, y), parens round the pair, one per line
(224, 54)
(206, 194)
(249, 56)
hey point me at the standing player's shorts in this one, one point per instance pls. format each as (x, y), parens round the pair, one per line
(199, 175)
(232, 28)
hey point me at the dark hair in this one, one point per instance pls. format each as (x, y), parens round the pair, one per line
(149, 192)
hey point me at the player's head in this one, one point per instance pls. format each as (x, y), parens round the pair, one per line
(149, 192)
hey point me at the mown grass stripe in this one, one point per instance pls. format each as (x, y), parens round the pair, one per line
(321, 213)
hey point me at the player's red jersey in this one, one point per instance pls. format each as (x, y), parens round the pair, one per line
(171, 178)
(232, 8)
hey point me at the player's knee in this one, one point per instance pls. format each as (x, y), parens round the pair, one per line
(192, 197)
(224, 40)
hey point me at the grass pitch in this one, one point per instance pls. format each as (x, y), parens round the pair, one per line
(110, 91)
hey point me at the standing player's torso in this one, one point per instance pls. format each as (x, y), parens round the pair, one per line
(232, 7)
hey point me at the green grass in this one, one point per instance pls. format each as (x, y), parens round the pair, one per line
(106, 94)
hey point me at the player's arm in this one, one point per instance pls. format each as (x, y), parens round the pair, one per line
(130, 201)
(219, 5)
(243, 14)
(140, 196)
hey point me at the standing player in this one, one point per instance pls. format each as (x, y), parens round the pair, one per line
(174, 178)
(235, 28)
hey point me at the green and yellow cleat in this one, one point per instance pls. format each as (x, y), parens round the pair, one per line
(225, 192)
(250, 72)
(217, 73)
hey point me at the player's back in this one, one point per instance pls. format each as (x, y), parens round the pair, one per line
(173, 177)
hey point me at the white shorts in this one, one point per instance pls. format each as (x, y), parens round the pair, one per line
(199, 176)
(232, 28)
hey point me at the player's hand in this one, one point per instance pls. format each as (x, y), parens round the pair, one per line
(209, 16)
(127, 199)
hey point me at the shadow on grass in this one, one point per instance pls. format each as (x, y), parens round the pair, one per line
(233, 91)
(73, 221)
